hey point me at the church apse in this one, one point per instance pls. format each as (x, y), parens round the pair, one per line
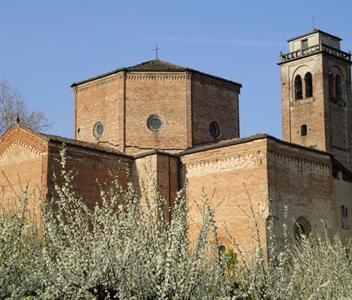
(156, 105)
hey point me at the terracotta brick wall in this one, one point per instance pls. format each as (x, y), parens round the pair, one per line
(268, 175)
(342, 191)
(28, 161)
(100, 100)
(162, 94)
(329, 124)
(301, 181)
(92, 167)
(339, 114)
(23, 166)
(309, 111)
(186, 103)
(234, 178)
(168, 178)
(214, 100)
(159, 171)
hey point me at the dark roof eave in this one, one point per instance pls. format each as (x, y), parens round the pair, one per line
(221, 144)
(127, 70)
(237, 141)
(68, 141)
(97, 77)
(153, 152)
(322, 152)
(340, 166)
(82, 144)
(215, 77)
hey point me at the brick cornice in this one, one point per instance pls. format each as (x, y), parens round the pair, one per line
(133, 76)
(99, 82)
(158, 76)
(23, 145)
(220, 163)
(320, 167)
(23, 137)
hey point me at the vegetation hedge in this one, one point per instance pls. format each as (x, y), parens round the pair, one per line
(125, 249)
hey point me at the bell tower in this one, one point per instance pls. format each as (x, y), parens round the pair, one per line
(316, 94)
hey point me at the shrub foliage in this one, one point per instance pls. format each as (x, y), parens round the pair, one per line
(126, 248)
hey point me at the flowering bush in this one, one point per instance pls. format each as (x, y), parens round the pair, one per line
(125, 249)
(18, 252)
(119, 250)
(309, 268)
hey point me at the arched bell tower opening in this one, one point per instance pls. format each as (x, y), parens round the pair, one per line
(316, 94)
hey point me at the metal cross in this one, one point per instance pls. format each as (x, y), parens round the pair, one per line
(156, 49)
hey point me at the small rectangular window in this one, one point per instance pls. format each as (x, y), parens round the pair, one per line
(304, 44)
(344, 211)
(344, 217)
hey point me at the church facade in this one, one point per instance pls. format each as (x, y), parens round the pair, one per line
(182, 126)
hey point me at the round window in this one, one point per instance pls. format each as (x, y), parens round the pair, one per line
(301, 228)
(154, 123)
(98, 129)
(214, 129)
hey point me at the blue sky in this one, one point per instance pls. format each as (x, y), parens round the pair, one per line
(47, 45)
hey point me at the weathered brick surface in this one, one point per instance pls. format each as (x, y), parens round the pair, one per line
(300, 182)
(329, 124)
(154, 172)
(100, 100)
(28, 160)
(342, 191)
(23, 166)
(338, 114)
(162, 94)
(93, 169)
(214, 100)
(168, 180)
(243, 178)
(186, 102)
(309, 111)
(235, 180)
(268, 179)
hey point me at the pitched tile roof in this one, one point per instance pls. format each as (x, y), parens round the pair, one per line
(155, 65)
(242, 140)
(82, 144)
(68, 141)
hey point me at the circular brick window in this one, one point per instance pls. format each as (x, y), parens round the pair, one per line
(214, 129)
(301, 228)
(154, 123)
(98, 129)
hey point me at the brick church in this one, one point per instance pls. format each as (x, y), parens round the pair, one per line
(182, 126)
